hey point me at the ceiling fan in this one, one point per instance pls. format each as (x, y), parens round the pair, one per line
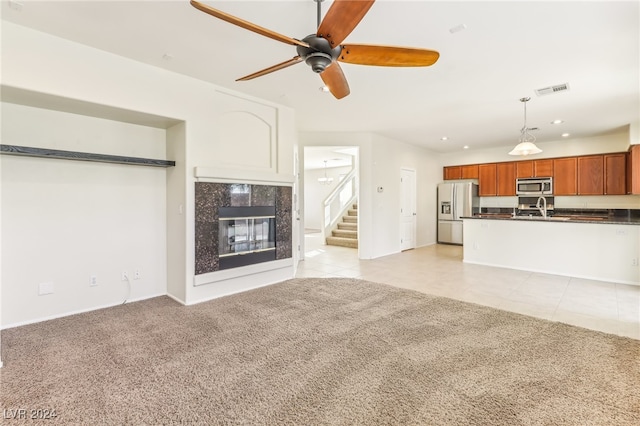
(324, 49)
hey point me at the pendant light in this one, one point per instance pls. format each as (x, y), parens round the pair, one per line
(325, 180)
(526, 145)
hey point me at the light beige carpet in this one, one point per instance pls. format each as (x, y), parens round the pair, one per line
(319, 351)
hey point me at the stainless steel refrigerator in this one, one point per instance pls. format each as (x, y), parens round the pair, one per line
(455, 200)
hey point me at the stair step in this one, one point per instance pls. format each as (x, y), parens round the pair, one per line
(352, 212)
(345, 233)
(350, 219)
(355, 206)
(346, 225)
(343, 242)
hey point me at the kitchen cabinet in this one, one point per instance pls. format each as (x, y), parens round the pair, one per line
(506, 178)
(543, 168)
(633, 170)
(452, 172)
(615, 174)
(565, 172)
(591, 175)
(487, 180)
(534, 168)
(470, 171)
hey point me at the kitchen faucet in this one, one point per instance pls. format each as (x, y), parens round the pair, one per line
(543, 210)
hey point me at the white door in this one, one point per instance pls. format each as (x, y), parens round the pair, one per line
(407, 209)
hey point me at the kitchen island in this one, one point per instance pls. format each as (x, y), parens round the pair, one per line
(591, 248)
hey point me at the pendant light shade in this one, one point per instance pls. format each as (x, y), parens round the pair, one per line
(325, 180)
(526, 145)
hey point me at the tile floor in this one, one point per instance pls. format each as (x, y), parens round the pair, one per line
(439, 270)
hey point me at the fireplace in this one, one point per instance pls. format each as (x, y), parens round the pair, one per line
(239, 225)
(247, 235)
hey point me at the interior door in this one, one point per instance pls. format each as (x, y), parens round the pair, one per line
(407, 209)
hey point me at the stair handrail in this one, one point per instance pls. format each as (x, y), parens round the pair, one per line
(329, 219)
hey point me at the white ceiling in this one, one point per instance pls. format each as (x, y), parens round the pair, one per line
(471, 95)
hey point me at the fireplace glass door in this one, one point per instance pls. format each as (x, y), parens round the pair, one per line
(246, 235)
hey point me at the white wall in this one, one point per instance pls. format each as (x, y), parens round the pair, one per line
(44, 64)
(315, 193)
(64, 221)
(379, 213)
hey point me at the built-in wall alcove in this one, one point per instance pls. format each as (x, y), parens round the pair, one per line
(74, 227)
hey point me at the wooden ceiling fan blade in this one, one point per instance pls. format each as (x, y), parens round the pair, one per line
(269, 70)
(334, 79)
(246, 24)
(341, 18)
(387, 56)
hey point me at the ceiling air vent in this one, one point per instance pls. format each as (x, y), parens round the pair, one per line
(552, 89)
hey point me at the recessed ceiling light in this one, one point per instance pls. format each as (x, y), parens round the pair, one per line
(466, 147)
(167, 57)
(444, 138)
(324, 89)
(566, 135)
(557, 122)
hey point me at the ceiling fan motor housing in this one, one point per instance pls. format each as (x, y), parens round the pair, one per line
(319, 55)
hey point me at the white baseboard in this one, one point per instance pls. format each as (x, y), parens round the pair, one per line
(182, 302)
(80, 311)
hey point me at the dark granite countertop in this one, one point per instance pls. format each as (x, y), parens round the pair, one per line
(565, 216)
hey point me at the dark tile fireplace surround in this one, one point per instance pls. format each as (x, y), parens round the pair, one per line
(214, 201)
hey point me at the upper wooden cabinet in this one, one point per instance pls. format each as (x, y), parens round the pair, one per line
(633, 170)
(452, 172)
(469, 171)
(565, 172)
(591, 175)
(615, 174)
(524, 169)
(543, 168)
(534, 168)
(487, 180)
(506, 178)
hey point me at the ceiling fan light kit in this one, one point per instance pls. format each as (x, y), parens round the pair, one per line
(526, 145)
(322, 51)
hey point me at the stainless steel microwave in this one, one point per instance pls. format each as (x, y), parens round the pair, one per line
(534, 186)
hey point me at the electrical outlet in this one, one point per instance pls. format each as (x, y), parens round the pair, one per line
(125, 276)
(634, 261)
(136, 274)
(93, 281)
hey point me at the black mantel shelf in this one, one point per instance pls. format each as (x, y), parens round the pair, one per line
(82, 156)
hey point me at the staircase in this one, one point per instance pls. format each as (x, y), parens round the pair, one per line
(346, 235)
